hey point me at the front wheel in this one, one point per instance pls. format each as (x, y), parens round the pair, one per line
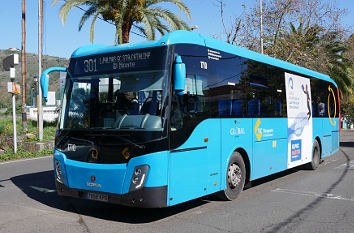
(235, 178)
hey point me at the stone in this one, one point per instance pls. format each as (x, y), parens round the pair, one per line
(30, 136)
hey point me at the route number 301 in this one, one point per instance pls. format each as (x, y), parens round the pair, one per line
(90, 65)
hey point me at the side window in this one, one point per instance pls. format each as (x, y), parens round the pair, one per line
(259, 99)
(266, 96)
(332, 100)
(319, 89)
(194, 97)
(191, 105)
(276, 83)
(227, 86)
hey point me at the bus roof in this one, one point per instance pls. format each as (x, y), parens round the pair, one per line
(186, 37)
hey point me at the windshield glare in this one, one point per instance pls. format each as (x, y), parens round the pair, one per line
(133, 101)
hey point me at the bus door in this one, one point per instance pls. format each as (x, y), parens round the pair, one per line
(195, 165)
(195, 141)
(269, 146)
(269, 129)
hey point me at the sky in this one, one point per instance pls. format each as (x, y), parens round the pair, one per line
(61, 40)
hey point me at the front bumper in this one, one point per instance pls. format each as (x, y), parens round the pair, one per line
(147, 197)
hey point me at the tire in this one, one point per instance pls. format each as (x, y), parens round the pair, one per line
(316, 157)
(235, 178)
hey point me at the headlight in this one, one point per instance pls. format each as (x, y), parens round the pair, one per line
(139, 177)
(58, 171)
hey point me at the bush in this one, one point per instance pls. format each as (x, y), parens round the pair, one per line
(347, 112)
(6, 128)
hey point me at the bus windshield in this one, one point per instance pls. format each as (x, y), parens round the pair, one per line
(123, 101)
(133, 99)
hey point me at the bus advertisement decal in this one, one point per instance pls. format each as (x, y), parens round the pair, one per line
(299, 109)
(295, 150)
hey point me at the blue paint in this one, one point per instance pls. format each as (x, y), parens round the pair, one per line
(270, 151)
(196, 173)
(100, 49)
(109, 177)
(61, 158)
(113, 178)
(186, 37)
(158, 171)
(179, 76)
(231, 141)
(45, 79)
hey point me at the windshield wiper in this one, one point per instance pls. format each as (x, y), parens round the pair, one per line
(121, 138)
(62, 137)
(83, 140)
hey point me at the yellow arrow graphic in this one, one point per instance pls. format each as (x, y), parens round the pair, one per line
(335, 106)
(258, 135)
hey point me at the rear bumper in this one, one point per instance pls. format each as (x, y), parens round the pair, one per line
(147, 197)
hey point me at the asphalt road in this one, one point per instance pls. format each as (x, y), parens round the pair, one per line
(297, 200)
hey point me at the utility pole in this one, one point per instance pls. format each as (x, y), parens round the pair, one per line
(39, 105)
(261, 15)
(23, 68)
(13, 88)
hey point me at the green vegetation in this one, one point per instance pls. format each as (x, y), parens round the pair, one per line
(6, 129)
(10, 155)
(308, 33)
(32, 71)
(145, 16)
(348, 112)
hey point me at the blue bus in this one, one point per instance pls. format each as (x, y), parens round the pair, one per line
(158, 123)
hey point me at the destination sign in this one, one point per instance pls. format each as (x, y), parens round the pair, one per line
(117, 62)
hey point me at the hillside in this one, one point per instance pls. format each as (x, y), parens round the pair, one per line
(32, 71)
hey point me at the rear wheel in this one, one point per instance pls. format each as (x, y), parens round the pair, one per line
(235, 178)
(316, 157)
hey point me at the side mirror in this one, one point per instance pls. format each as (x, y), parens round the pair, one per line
(45, 80)
(179, 76)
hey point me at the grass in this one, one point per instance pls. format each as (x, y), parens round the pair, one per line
(6, 129)
(10, 155)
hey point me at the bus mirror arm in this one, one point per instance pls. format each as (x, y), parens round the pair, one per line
(45, 80)
(179, 76)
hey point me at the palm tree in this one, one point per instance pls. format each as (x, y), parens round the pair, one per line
(338, 65)
(143, 15)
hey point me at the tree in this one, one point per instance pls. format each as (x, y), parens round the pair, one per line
(347, 104)
(337, 64)
(308, 33)
(146, 16)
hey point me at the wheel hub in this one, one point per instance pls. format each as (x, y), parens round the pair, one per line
(234, 175)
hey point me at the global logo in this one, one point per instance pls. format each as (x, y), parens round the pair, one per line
(237, 131)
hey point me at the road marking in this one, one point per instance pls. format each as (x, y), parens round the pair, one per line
(313, 194)
(24, 160)
(43, 190)
(350, 166)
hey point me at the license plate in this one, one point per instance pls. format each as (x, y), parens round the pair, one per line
(97, 197)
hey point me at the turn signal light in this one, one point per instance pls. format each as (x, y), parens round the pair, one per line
(139, 177)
